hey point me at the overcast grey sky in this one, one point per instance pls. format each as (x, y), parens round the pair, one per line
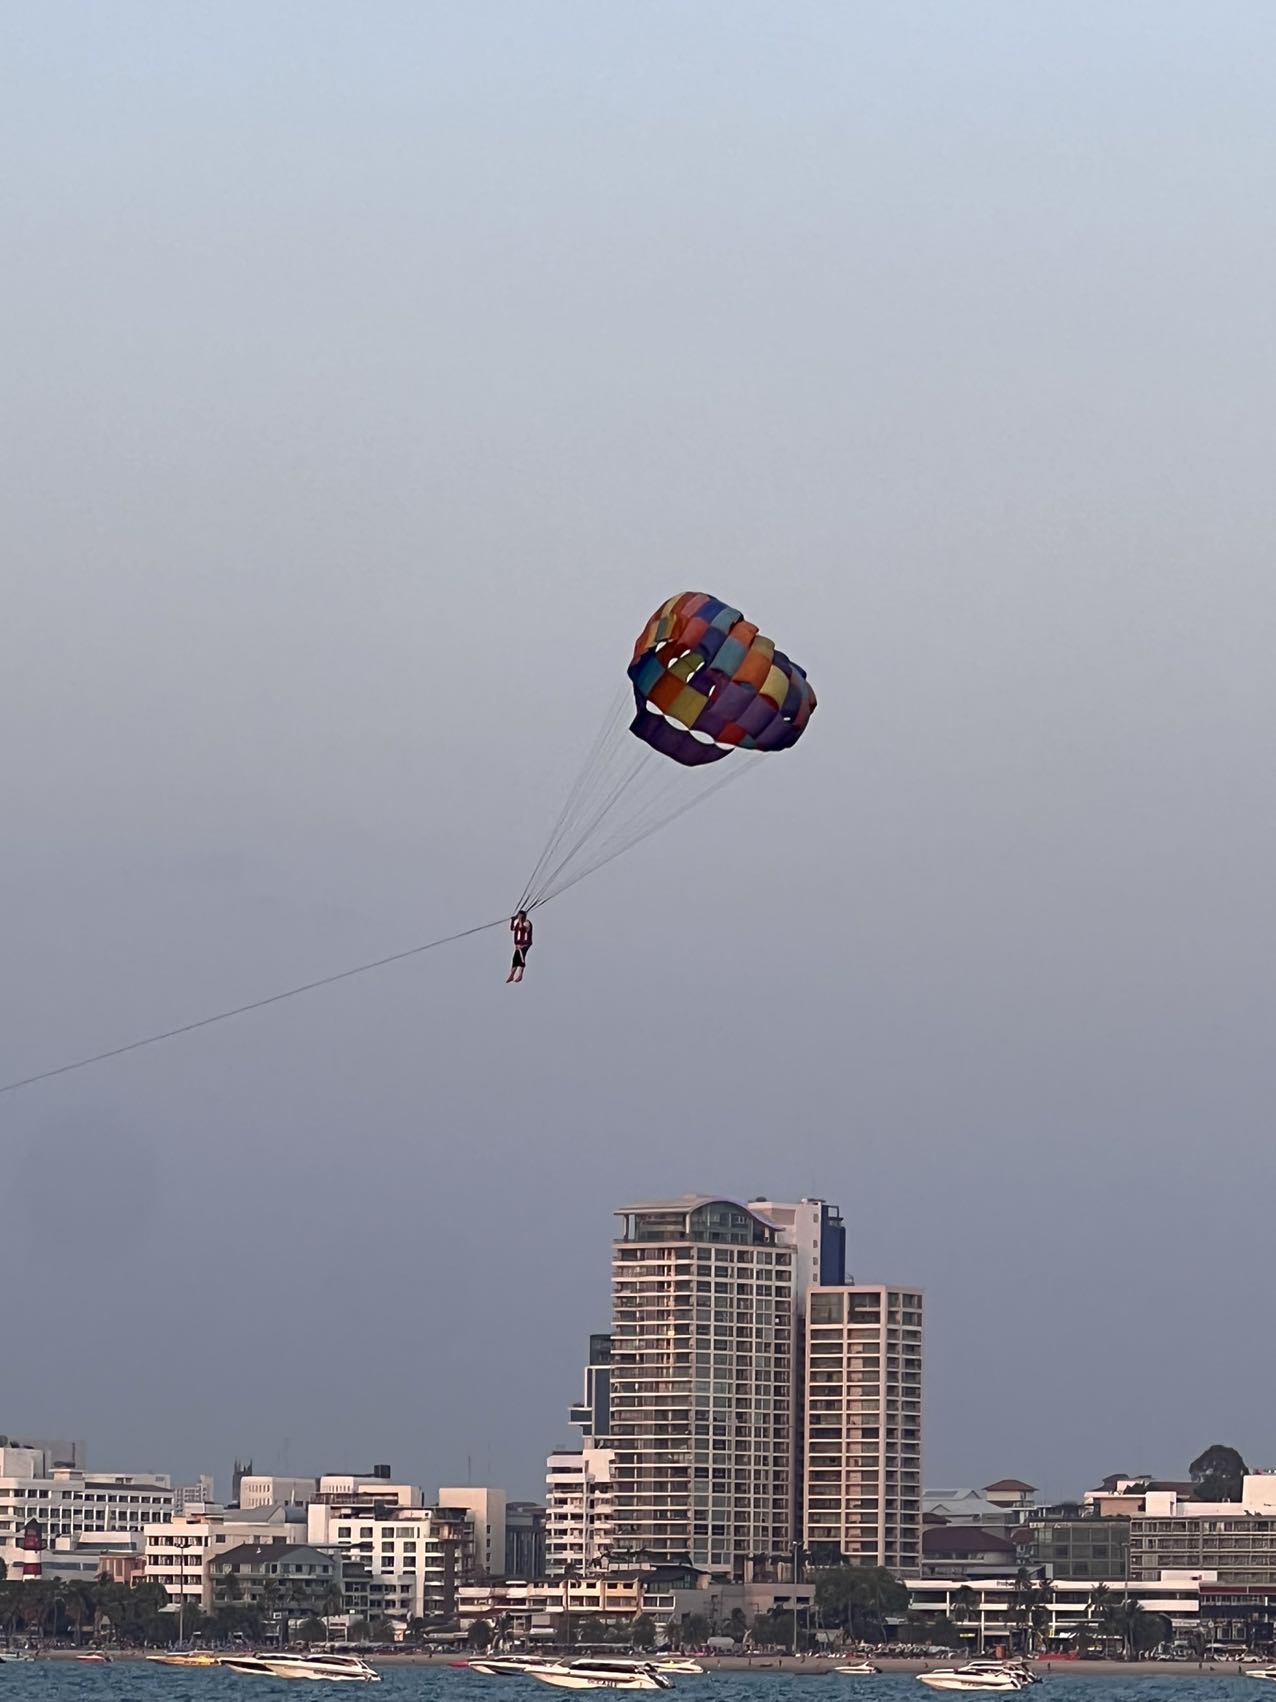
(371, 372)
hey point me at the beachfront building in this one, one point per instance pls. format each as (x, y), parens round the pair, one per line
(538, 1612)
(1233, 1541)
(992, 1619)
(863, 1425)
(580, 1514)
(179, 1552)
(411, 1559)
(281, 1576)
(702, 1384)
(60, 1520)
(68, 1500)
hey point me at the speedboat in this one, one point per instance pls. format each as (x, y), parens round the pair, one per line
(186, 1658)
(675, 1663)
(344, 1669)
(857, 1669)
(1017, 1669)
(603, 1675)
(509, 1666)
(95, 1658)
(1269, 1673)
(976, 1676)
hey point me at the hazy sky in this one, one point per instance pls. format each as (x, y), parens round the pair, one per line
(370, 373)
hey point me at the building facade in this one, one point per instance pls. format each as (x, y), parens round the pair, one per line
(580, 1513)
(486, 1509)
(592, 1413)
(180, 1552)
(291, 1577)
(863, 1443)
(69, 1501)
(261, 1490)
(1233, 1541)
(411, 1559)
(702, 1384)
(993, 1619)
(525, 1540)
(1073, 1544)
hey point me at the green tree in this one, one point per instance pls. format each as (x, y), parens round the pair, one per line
(772, 1631)
(737, 1626)
(312, 1630)
(1218, 1474)
(480, 1635)
(332, 1601)
(382, 1631)
(696, 1630)
(642, 1631)
(358, 1631)
(965, 1607)
(938, 1628)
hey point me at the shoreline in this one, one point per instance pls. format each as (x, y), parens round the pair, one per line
(818, 1666)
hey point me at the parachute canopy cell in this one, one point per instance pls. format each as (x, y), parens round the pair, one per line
(706, 682)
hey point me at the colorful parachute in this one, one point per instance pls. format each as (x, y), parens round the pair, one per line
(707, 682)
(703, 683)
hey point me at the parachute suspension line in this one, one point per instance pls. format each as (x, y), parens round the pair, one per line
(606, 735)
(618, 844)
(253, 1005)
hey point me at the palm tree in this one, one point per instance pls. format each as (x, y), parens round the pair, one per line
(965, 1607)
(271, 1598)
(332, 1601)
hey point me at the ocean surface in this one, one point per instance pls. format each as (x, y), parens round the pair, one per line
(135, 1681)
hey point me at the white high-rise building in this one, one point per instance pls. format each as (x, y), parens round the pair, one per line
(702, 1383)
(580, 1515)
(863, 1424)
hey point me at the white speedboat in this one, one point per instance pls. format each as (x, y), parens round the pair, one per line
(343, 1669)
(675, 1664)
(603, 1675)
(1269, 1673)
(510, 1666)
(857, 1669)
(1017, 1669)
(979, 1676)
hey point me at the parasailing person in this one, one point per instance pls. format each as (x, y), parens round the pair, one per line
(521, 928)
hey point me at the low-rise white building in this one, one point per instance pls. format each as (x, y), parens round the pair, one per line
(992, 1619)
(579, 1512)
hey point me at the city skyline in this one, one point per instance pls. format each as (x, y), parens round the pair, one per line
(373, 373)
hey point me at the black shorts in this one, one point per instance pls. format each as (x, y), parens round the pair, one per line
(520, 958)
